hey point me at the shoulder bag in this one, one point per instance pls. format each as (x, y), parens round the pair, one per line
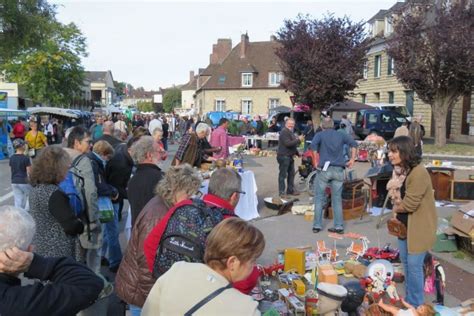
(207, 299)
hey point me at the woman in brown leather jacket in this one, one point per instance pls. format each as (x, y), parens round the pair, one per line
(134, 280)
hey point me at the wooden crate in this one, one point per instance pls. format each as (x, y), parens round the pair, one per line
(348, 214)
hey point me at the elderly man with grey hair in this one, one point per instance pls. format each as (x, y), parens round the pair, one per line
(329, 144)
(146, 154)
(66, 286)
(190, 150)
(225, 188)
(109, 134)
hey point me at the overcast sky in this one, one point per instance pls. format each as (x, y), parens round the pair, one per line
(156, 43)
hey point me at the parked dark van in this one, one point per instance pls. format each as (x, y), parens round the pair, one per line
(383, 122)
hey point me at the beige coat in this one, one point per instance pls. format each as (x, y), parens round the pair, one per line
(185, 284)
(419, 203)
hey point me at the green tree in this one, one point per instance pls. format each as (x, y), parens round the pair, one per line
(171, 99)
(120, 88)
(145, 106)
(433, 49)
(24, 25)
(52, 74)
(321, 59)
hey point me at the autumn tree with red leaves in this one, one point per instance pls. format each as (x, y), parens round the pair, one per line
(433, 48)
(321, 59)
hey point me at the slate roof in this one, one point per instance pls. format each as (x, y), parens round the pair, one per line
(379, 16)
(191, 85)
(383, 13)
(96, 76)
(260, 59)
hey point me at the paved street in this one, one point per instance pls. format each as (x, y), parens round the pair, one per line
(292, 230)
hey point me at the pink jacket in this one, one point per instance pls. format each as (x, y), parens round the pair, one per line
(219, 138)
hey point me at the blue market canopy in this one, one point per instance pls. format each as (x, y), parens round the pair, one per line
(12, 112)
(75, 114)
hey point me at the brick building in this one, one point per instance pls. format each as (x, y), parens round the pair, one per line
(245, 78)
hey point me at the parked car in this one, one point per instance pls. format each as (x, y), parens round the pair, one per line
(214, 117)
(382, 121)
(301, 118)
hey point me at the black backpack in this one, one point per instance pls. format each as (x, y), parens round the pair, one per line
(185, 235)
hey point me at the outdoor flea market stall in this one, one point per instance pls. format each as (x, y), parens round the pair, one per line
(5, 129)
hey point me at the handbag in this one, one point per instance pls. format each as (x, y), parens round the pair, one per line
(396, 228)
(32, 151)
(106, 209)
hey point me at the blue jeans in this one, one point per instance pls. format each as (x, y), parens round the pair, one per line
(135, 310)
(20, 193)
(414, 278)
(111, 239)
(334, 177)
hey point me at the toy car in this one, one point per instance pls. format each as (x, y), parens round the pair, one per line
(272, 270)
(386, 253)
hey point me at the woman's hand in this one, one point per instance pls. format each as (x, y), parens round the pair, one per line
(398, 208)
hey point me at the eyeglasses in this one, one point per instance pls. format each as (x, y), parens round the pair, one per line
(241, 192)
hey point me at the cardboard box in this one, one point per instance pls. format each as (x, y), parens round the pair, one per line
(462, 221)
(295, 260)
(327, 274)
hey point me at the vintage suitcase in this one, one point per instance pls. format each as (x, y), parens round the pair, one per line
(350, 213)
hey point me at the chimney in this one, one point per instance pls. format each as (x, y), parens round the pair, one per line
(220, 51)
(273, 38)
(244, 43)
(191, 75)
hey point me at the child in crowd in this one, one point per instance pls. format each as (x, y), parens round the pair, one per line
(20, 166)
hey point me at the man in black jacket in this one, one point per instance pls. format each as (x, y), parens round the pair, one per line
(70, 288)
(146, 153)
(287, 148)
(118, 172)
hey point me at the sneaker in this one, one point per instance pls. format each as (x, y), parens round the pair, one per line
(336, 230)
(316, 230)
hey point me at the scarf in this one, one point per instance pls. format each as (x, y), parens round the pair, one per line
(394, 185)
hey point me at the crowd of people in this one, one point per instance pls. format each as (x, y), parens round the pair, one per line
(76, 189)
(73, 187)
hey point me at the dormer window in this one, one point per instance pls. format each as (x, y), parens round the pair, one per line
(388, 25)
(247, 79)
(221, 79)
(275, 78)
(372, 29)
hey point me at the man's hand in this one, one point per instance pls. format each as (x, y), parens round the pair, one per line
(350, 163)
(301, 137)
(15, 261)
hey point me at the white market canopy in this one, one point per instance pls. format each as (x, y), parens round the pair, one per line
(55, 111)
